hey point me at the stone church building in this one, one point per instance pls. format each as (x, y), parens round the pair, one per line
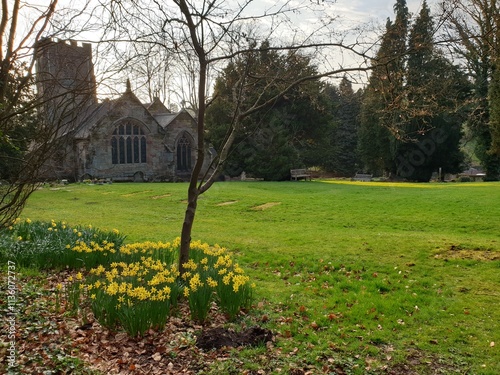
(122, 139)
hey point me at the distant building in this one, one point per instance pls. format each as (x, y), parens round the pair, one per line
(122, 139)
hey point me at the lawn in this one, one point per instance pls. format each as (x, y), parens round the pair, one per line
(352, 277)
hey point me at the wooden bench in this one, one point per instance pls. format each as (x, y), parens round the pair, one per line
(296, 174)
(362, 177)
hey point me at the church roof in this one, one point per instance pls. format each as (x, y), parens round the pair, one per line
(157, 107)
(165, 119)
(92, 115)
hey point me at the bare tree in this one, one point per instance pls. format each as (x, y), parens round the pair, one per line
(152, 69)
(29, 136)
(205, 36)
(208, 35)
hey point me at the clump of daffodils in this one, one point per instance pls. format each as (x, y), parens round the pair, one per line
(56, 244)
(212, 275)
(130, 285)
(139, 294)
(136, 295)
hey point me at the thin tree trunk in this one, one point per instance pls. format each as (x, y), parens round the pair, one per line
(193, 190)
(187, 227)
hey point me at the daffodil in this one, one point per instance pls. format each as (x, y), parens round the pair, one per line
(211, 282)
(112, 288)
(195, 282)
(190, 265)
(238, 281)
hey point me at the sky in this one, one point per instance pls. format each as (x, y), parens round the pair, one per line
(354, 13)
(364, 20)
(374, 10)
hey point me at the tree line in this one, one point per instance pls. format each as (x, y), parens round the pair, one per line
(417, 114)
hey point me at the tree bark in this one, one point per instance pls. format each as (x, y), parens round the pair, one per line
(193, 190)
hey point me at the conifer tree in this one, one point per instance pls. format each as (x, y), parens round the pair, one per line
(286, 135)
(433, 130)
(423, 129)
(346, 134)
(494, 104)
(384, 97)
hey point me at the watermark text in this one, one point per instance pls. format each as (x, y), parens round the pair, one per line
(11, 315)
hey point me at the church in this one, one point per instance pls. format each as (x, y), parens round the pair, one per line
(122, 139)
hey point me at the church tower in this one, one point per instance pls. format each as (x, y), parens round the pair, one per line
(65, 78)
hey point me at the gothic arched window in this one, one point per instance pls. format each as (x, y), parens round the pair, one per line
(128, 144)
(184, 154)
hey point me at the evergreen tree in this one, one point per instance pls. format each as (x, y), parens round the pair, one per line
(495, 95)
(474, 26)
(17, 124)
(289, 134)
(384, 97)
(494, 104)
(433, 131)
(418, 129)
(341, 153)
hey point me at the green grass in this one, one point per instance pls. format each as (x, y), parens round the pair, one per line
(356, 275)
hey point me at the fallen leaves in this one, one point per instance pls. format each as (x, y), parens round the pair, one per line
(156, 357)
(315, 326)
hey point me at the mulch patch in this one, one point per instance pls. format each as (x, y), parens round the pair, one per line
(219, 337)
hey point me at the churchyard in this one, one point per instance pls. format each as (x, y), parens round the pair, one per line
(350, 278)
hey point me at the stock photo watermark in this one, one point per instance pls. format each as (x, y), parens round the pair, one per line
(417, 157)
(11, 315)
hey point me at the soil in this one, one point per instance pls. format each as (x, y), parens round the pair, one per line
(219, 337)
(458, 252)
